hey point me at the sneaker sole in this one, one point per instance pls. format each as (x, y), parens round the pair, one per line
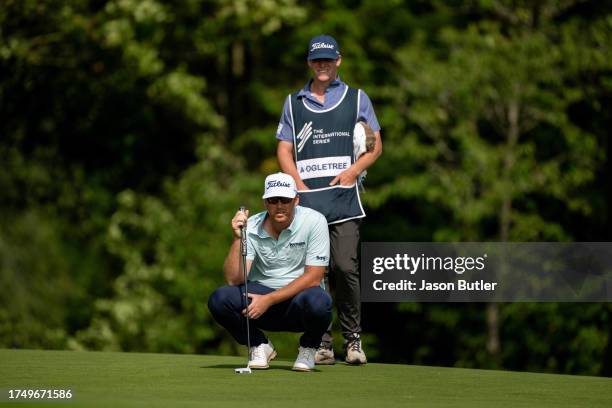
(357, 362)
(327, 361)
(272, 357)
(304, 370)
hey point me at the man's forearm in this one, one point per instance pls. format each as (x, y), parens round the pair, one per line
(232, 264)
(284, 154)
(288, 166)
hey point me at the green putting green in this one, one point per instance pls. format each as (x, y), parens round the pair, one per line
(166, 380)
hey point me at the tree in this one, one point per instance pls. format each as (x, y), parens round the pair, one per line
(488, 136)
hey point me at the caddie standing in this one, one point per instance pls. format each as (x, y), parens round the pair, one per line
(317, 146)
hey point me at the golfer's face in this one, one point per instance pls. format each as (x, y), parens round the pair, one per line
(280, 209)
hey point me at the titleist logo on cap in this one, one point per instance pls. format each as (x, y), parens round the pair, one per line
(317, 45)
(276, 183)
(279, 185)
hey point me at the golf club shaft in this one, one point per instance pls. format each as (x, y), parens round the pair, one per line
(243, 253)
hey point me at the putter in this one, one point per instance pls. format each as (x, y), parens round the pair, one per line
(243, 254)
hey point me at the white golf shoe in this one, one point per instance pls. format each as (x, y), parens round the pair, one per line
(354, 353)
(325, 354)
(305, 360)
(260, 356)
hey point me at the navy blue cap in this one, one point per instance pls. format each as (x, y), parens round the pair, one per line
(323, 46)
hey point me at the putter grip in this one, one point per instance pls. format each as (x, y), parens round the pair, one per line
(243, 239)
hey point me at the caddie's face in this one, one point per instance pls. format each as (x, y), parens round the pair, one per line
(280, 209)
(325, 70)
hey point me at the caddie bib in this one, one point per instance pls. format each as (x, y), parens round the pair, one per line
(323, 148)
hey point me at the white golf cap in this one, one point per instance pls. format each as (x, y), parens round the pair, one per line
(279, 185)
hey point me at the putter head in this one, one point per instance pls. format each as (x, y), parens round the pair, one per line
(245, 370)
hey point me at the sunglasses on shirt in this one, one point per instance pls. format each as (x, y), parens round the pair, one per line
(275, 200)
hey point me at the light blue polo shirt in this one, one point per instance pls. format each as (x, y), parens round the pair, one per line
(276, 263)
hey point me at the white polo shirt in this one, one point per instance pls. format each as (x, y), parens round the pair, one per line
(278, 262)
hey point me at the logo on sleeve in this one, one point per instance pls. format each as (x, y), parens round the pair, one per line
(321, 258)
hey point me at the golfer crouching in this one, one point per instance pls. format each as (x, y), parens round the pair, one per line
(287, 254)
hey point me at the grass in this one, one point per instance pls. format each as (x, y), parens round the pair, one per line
(165, 380)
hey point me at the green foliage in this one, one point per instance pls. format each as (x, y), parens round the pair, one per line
(479, 128)
(36, 290)
(562, 337)
(172, 248)
(481, 113)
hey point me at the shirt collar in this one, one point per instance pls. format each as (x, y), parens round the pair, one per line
(261, 231)
(305, 91)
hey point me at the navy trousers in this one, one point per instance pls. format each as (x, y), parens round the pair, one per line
(310, 311)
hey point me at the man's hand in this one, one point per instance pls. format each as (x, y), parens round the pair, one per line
(239, 220)
(259, 305)
(301, 186)
(346, 178)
